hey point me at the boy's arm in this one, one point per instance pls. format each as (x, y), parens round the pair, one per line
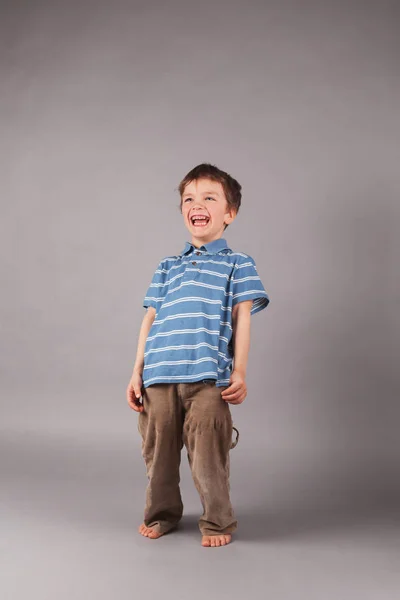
(241, 321)
(236, 392)
(143, 333)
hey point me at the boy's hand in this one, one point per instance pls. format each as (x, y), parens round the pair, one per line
(133, 392)
(237, 391)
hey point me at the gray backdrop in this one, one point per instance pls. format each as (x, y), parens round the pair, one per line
(104, 108)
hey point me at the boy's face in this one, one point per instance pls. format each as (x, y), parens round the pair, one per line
(205, 197)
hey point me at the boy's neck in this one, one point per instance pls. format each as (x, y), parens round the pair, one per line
(198, 243)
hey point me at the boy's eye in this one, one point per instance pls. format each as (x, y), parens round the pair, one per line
(208, 198)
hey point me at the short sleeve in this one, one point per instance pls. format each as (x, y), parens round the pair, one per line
(153, 295)
(247, 285)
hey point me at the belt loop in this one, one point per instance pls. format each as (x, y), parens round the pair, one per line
(233, 444)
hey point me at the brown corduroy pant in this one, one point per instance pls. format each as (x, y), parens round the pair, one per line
(193, 414)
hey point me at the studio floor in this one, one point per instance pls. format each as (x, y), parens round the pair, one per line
(72, 501)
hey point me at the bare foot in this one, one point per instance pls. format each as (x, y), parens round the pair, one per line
(216, 540)
(149, 532)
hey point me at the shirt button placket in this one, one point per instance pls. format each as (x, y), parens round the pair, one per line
(194, 262)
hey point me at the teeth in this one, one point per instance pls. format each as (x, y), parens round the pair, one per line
(200, 218)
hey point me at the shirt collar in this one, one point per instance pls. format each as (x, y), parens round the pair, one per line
(212, 247)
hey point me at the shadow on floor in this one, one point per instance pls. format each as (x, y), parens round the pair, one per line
(268, 525)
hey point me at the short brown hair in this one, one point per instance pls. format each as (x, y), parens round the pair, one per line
(232, 188)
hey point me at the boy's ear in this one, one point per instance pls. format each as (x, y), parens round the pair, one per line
(231, 215)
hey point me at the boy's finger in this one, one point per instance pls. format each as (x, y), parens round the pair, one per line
(231, 399)
(137, 398)
(233, 396)
(229, 389)
(135, 403)
(133, 394)
(235, 387)
(237, 399)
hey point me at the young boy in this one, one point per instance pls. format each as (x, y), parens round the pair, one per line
(197, 325)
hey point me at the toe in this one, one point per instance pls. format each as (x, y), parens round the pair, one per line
(149, 531)
(154, 534)
(216, 540)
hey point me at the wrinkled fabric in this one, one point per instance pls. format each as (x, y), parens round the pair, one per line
(194, 294)
(193, 415)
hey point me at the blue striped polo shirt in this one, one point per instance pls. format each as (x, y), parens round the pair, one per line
(194, 293)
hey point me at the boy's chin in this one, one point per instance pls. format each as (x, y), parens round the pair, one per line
(199, 231)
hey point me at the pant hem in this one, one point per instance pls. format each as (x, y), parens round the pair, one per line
(227, 531)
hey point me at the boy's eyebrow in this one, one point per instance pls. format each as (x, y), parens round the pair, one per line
(212, 193)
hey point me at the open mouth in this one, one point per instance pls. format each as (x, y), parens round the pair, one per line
(199, 221)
